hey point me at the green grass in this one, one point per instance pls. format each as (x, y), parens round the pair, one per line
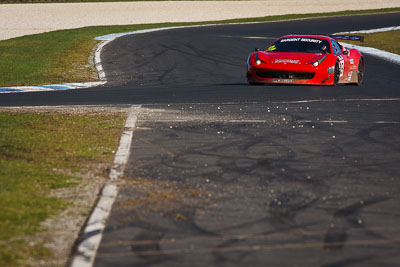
(36, 152)
(388, 41)
(62, 56)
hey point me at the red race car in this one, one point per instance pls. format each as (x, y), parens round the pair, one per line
(307, 59)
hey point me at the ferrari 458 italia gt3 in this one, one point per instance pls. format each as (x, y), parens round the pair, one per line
(306, 59)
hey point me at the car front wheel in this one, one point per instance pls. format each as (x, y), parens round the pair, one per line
(336, 74)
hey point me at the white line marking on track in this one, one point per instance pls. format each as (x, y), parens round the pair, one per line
(122, 154)
(338, 100)
(49, 87)
(91, 236)
(306, 101)
(332, 121)
(325, 121)
(391, 57)
(373, 99)
(213, 120)
(387, 29)
(387, 122)
(97, 61)
(283, 102)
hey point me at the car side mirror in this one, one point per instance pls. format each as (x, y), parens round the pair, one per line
(257, 49)
(345, 52)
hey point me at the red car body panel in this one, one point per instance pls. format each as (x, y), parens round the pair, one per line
(297, 67)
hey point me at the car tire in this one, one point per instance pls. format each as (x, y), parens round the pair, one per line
(360, 71)
(336, 74)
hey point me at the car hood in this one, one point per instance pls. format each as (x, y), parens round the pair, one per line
(289, 57)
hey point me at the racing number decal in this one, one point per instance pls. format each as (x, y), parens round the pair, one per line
(341, 65)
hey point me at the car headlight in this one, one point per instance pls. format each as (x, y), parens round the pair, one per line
(317, 62)
(257, 60)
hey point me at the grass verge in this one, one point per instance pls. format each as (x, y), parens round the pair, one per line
(62, 56)
(388, 41)
(40, 154)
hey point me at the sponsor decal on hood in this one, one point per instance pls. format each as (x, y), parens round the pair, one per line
(292, 61)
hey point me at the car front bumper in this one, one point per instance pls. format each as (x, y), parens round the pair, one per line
(288, 74)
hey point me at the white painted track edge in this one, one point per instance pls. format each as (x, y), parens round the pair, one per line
(90, 238)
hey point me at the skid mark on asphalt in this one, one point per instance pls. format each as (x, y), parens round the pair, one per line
(250, 37)
(236, 184)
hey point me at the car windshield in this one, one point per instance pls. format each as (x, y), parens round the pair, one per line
(300, 45)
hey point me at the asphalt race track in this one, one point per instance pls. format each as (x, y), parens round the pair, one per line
(222, 173)
(208, 64)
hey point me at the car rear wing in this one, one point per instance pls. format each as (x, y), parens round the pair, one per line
(348, 37)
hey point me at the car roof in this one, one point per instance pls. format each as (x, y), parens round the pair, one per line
(323, 37)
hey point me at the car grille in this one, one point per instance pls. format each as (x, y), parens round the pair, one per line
(285, 74)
